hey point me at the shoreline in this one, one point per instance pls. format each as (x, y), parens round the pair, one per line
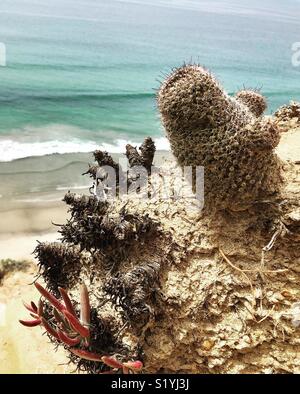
(23, 223)
(41, 179)
(32, 190)
(20, 228)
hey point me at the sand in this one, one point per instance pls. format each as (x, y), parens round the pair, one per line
(24, 350)
(20, 247)
(289, 147)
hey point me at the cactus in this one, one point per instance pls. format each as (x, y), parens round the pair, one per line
(145, 158)
(206, 127)
(59, 264)
(255, 102)
(288, 112)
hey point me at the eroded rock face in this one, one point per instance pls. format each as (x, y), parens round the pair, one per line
(288, 116)
(223, 134)
(231, 289)
(229, 284)
(288, 112)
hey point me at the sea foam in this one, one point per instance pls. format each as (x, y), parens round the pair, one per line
(12, 149)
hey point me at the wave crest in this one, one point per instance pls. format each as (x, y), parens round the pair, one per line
(11, 150)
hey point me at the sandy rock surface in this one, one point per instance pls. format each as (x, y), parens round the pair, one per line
(24, 350)
(230, 306)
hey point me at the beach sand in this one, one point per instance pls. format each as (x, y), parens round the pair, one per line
(21, 228)
(24, 350)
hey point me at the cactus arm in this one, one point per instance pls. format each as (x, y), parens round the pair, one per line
(261, 135)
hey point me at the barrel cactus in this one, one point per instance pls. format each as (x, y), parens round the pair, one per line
(226, 135)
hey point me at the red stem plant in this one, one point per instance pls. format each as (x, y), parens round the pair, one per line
(71, 331)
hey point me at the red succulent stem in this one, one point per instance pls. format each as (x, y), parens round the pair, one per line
(86, 355)
(61, 320)
(67, 301)
(85, 308)
(135, 366)
(67, 340)
(54, 301)
(111, 362)
(49, 329)
(29, 308)
(30, 323)
(77, 326)
(40, 308)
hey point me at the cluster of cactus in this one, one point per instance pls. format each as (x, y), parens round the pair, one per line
(114, 249)
(133, 290)
(288, 112)
(98, 242)
(144, 159)
(226, 135)
(60, 264)
(64, 326)
(114, 234)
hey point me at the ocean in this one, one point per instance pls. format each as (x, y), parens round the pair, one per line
(82, 74)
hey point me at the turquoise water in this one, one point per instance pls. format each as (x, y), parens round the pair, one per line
(83, 73)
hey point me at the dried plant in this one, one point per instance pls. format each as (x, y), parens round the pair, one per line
(114, 236)
(9, 265)
(134, 291)
(288, 112)
(59, 264)
(99, 242)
